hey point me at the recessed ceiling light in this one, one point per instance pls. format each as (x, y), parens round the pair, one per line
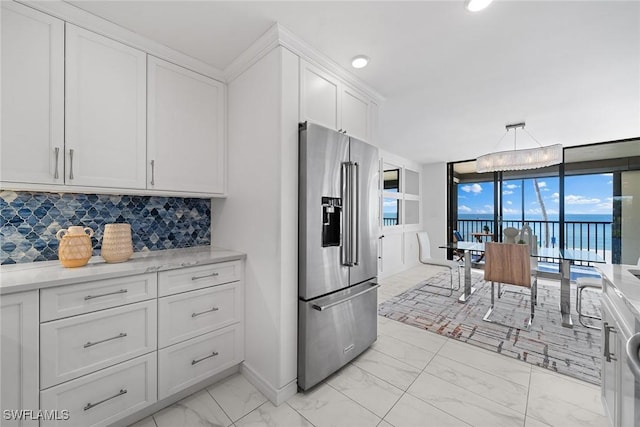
(359, 61)
(476, 5)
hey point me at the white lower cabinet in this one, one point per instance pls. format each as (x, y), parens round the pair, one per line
(620, 389)
(105, 396)
(192, 361)
(19, 356)
(92, 353)
(190, 314)
(82, 344)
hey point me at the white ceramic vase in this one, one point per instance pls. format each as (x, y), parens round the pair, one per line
(116, 243)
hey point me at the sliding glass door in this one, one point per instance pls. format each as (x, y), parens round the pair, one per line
(590, 202)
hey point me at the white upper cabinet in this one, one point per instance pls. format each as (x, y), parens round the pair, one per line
(185, 146)
(319, 96)
(329, 102)
(32, 96)
(355, 113)
(105, 112)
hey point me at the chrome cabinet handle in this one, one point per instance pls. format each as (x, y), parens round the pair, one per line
(203, 312)
(91, 344)
(194, 361)
(92, 405)
(214, 274)
(633, 360)
(607, 353)
(121, 291)
(350, 297)
(71, 163)
(55, 173)
(153, 172)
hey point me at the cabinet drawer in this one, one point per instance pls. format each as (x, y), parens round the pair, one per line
(192, 361)
(79, 345)
(106, 396)
(65, 301)
(190, 314)
(188, 279)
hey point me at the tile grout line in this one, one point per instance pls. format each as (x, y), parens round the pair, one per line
(298, 412)
(219, 405)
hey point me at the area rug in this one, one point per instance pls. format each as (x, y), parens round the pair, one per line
(571, 351)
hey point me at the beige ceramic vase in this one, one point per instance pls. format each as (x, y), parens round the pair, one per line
(117, 245)
(75, 246)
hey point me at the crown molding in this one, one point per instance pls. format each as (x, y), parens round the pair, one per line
(76, 16)
(278, 35)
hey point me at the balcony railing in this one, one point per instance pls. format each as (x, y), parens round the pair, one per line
(584, 235)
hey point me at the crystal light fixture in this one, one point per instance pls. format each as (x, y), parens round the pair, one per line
(515, 159)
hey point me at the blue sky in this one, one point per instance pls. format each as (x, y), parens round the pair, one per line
(585, 194)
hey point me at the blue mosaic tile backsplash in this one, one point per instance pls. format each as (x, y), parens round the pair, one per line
(29, 222)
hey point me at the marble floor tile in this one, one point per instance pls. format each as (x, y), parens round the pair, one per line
(411, 412)
(268, 415)
(145, 422)
(556, 400)
(410, 334)
(532, 422)
(490, 386)
(236, 396)
(387, 368)
(503, 366)
(369, 391)
(324, 406)
(405, 352)
(199, 409)
(463, 404)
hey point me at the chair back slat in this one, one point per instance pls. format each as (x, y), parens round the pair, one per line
(507, 263)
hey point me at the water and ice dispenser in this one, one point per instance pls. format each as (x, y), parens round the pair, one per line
(331, 217)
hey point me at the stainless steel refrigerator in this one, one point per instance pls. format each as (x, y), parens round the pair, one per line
(337, 260)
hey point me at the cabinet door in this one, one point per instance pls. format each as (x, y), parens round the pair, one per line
(186, 130)
(319, 97)
(105, 112)
(19, 354)
(355, 113)
(610, 368)
(32, 96)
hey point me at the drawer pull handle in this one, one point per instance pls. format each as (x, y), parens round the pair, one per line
(203, 312)
(121, 291)
(91, 344)
(214, 274)
(91, 405)
(193, 362)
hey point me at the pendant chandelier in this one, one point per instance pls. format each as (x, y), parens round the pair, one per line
(515, 159)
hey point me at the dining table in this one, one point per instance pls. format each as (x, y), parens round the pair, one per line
(565, 258)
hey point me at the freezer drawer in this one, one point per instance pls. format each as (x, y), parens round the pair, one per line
(333, 330)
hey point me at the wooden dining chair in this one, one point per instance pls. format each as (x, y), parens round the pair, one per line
(510, 264)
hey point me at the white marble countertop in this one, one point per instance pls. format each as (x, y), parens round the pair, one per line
(625, 282)
(38, 275)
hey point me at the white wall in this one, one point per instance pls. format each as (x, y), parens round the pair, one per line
(260, 215)
(434, 202)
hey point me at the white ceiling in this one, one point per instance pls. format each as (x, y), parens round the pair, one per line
(452, 79)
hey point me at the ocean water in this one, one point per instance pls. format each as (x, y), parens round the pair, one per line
(585, 231)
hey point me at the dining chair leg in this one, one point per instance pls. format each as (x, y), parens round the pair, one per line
(486, 316)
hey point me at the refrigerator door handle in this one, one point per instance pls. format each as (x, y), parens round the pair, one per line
(345, 232)
(350, 297)
(355, 230)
